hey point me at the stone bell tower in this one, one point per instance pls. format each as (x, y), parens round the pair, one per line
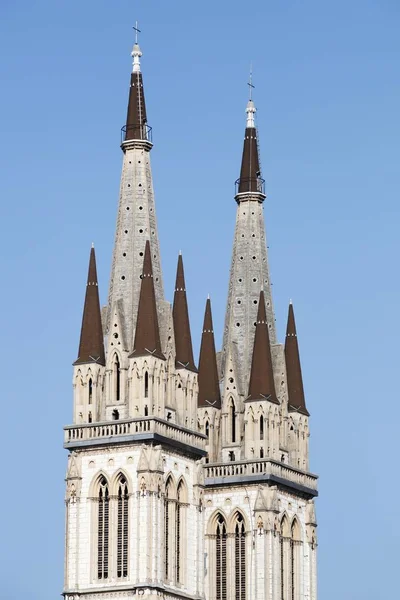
(186, 483)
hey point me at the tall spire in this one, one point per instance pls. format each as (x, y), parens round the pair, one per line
(91, 345)
(183, 338)
(262, 386)
(136, 120)
(209, 393)
(136, 220)
(297, 401)
(147, 337)
(249, 266)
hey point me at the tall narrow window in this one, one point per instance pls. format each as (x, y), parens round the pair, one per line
(207, 429)
(146, 385)
(240, 559)
(179, 531)
(103, 530)
(220, 564)
(122, 533)
(169, 539)
(261, 427)
(90, 390)
(284, 539)
(117, 378)
(232, 418)
(294, 542)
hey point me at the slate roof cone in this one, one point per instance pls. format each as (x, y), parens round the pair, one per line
(250, 173)
(297, 401)
(136, 119)
(209, 392)
(183, 339)
(147, 335)
(262, 386)
(91, 344)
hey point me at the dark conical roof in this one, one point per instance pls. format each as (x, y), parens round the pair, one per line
(209, 392)
(91, 344)
(262, 386)
(136, 119)
(297, 401)
(250, 169)
(147, 335)
(180, 313)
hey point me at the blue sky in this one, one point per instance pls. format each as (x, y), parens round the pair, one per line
(328, 96)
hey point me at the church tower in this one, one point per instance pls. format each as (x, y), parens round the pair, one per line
(186, 483)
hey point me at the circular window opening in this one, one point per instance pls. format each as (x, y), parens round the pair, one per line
(126, 231)
(140, 230)
(123, 277)
(140, 185)
(124, 254)
(240, 280)
(127, 208)
(239, 302)
(140, 253)
(237, 324)
(254, 279)
(230, 379)
(140, 207)
(129, 185)
(254, 301)
(115, 335)
(254, 257)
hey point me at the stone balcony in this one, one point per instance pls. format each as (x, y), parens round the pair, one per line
(127, 431)
(258, 471)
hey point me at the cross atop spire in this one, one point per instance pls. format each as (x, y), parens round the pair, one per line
(250, 82)
(136, 52)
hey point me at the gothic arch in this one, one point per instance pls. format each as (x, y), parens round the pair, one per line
(115, 481)
(216, 516)
(233, 518)
(285, 526)
(295, 530)
(170, 486)
(95, 483)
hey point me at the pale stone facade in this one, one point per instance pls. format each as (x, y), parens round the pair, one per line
(165, 498)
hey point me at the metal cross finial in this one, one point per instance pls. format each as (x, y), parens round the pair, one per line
(137, 31)
(250, 83)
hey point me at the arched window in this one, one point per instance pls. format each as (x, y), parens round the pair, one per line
(146, 385)
(122, 528)
(103, 526)
(284, 542)
(240, 559)
(90, 391)
(232, 421)
(220, 559)
(179, 532)
(117, 378)
(169, 519)
(294, 568)
(207, 429)
(261, 427)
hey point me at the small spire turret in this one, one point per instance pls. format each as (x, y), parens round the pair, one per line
(297, 401)
(209, 392)
(147, 335)
(262, 386)
(91, 344)
(180, 313)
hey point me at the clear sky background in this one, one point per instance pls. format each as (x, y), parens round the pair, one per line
(328, 97)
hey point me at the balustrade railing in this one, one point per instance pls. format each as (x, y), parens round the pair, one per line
(260, 467)
(129, 427)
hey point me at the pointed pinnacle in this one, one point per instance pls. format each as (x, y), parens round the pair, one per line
(180, 313)
(262, 385)
(297, 401)
(209, 392)
(147, 335)
(91, 344)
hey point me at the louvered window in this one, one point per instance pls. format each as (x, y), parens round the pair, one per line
(122, 533)
(117, 378)
(103, 530)
(240, 559)
(221, 539)
(90, 390)
(233, 422)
